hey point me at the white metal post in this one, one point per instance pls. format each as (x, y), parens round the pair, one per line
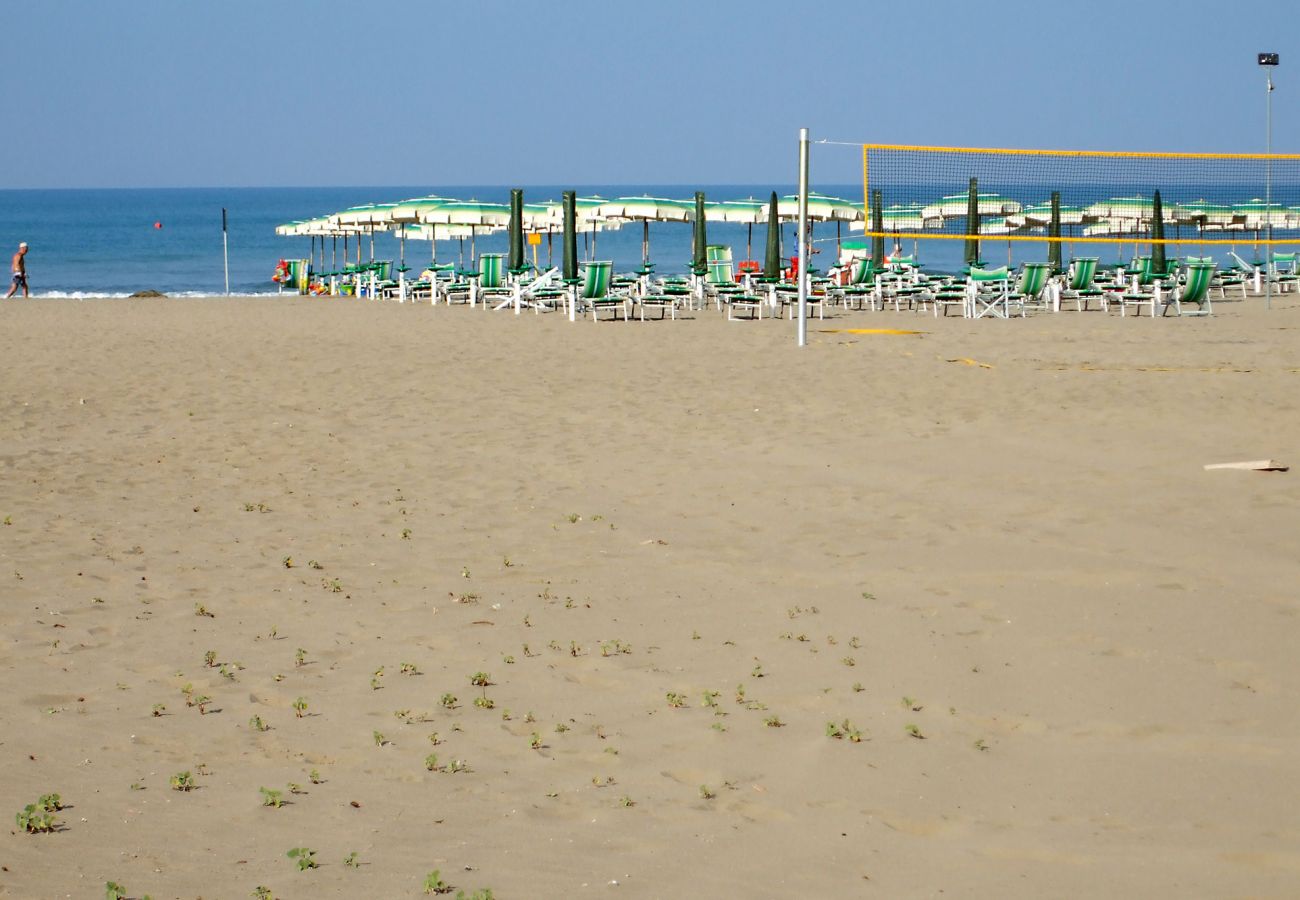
(802, 275)
(225, 249)
(1268, 190)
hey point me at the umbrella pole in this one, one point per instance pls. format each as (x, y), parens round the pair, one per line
(334, 252)
(372, 243)
(749, 241)
(838, 249)
(473, 233)
(550, 248)
(645, 243)
(461, 257)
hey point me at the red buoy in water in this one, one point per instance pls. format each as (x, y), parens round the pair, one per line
(157, 224)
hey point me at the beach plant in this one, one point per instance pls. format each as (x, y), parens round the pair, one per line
(535, 742)
(313, 564)
(457, 765)
(295, 788)
(857, 687)
(433, 883)
(711, 699)
(299, 658)
(707, 793)
(305, 858)
(448, 701)
(981, 745)
(408, 668)
(351, 860)
(431, 762)
(855, 643)
(480, 679)
(573, 518)
(300, 707)
(675, 700)
(314, 776)
(210, 659)
(271, 798)
(182, 781)
(484, 702)
(626, 802)
(849, 661)
(287, 562)
(406, 534)
(114, 891)
(435, 739)
(202, 701)
(914, 731)
(257, 724)
(159, 709)
(379, 738)
(203, 612)
(740, 693)
(480, 894)
(773, 722)
(38, 817)
(262, 892)
(560, 728)
(913, 704)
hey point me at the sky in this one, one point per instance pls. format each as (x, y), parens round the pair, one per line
(190, 93)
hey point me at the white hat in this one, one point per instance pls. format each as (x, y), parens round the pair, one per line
(22, 246)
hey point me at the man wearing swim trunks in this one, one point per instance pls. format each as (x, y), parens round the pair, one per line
(20, 271)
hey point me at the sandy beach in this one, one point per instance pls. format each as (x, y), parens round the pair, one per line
(1057, 654)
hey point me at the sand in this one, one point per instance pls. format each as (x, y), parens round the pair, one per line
(1068, 651)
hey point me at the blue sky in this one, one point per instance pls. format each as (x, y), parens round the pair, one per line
(387, 92)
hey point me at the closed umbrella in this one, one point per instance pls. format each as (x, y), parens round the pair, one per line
(972, 255)
(878, 231)
(570, 254)
(772, 255)
(1157, 235)
(1054, 234)
(699, 251)
(515, 261)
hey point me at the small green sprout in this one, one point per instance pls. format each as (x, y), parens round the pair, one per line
(433, 883)
(305, 857)
(182, 781)
(408, 668)
(299, 658)
(675, 700)
(706, 793)
(914, 732)
(431, 762)
(773, 722)
(271, 798)
(314, 776)
(448, 701)
(379, 738)
(351, 860)
(484, 702)
(210, 659)
(159, 709)
(300, 707)
(257, 724)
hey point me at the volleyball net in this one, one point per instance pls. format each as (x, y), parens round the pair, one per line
(1079, 196)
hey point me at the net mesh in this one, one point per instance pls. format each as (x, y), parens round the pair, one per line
(959, 193)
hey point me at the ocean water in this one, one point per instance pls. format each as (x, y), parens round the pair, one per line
(113, 242)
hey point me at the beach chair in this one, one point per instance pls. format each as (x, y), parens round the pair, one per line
(862, 284)
(593, 293)
(989, 291)
(1080, 286)
(737, 302)
(1284, 271)
(1194, 288)
(720, 273)
(491, 281)
(1032, 288)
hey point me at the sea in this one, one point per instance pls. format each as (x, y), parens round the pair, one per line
(102, 243)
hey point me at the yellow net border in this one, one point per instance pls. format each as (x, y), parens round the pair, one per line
(1096, 154)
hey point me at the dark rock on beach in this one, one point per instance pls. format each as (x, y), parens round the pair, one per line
(150, 293)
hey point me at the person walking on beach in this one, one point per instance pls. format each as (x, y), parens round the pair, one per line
(19, 271)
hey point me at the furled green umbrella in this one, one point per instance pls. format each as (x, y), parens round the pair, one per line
(973, 224)
(1157, 234)
(699, 251)
(878, 229)
(570, 272)
(1054, 234)
(515, 261)
(772, 256)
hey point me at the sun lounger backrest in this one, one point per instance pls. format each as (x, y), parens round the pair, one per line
(1199, 276)
(1033, 278)
(489, 270)
(1083, 272)
(595, 279)
(998, 274)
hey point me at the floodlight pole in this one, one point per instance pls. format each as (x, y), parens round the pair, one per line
(802, 273)
(1268, 61)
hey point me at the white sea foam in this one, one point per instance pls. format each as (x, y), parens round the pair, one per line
(172, 295)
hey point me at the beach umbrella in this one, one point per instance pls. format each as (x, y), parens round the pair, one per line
(954, 206)
(699, 246)
(475, 214)
(645, 210)
(570, 271)
(1054, 232)
(749, 213)
(972, 254)
(409, 211)
(877, 228)
(772, 255)
(1157, 235)
(515, 261)
(821, 208)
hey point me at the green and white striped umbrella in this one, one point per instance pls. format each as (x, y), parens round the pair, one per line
(953, 206)
(900, 217)
(821, 208)
(737, 212)
(409, 211)
(375, 216)
(640, 209)
(466, 212)
(1258, 214)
